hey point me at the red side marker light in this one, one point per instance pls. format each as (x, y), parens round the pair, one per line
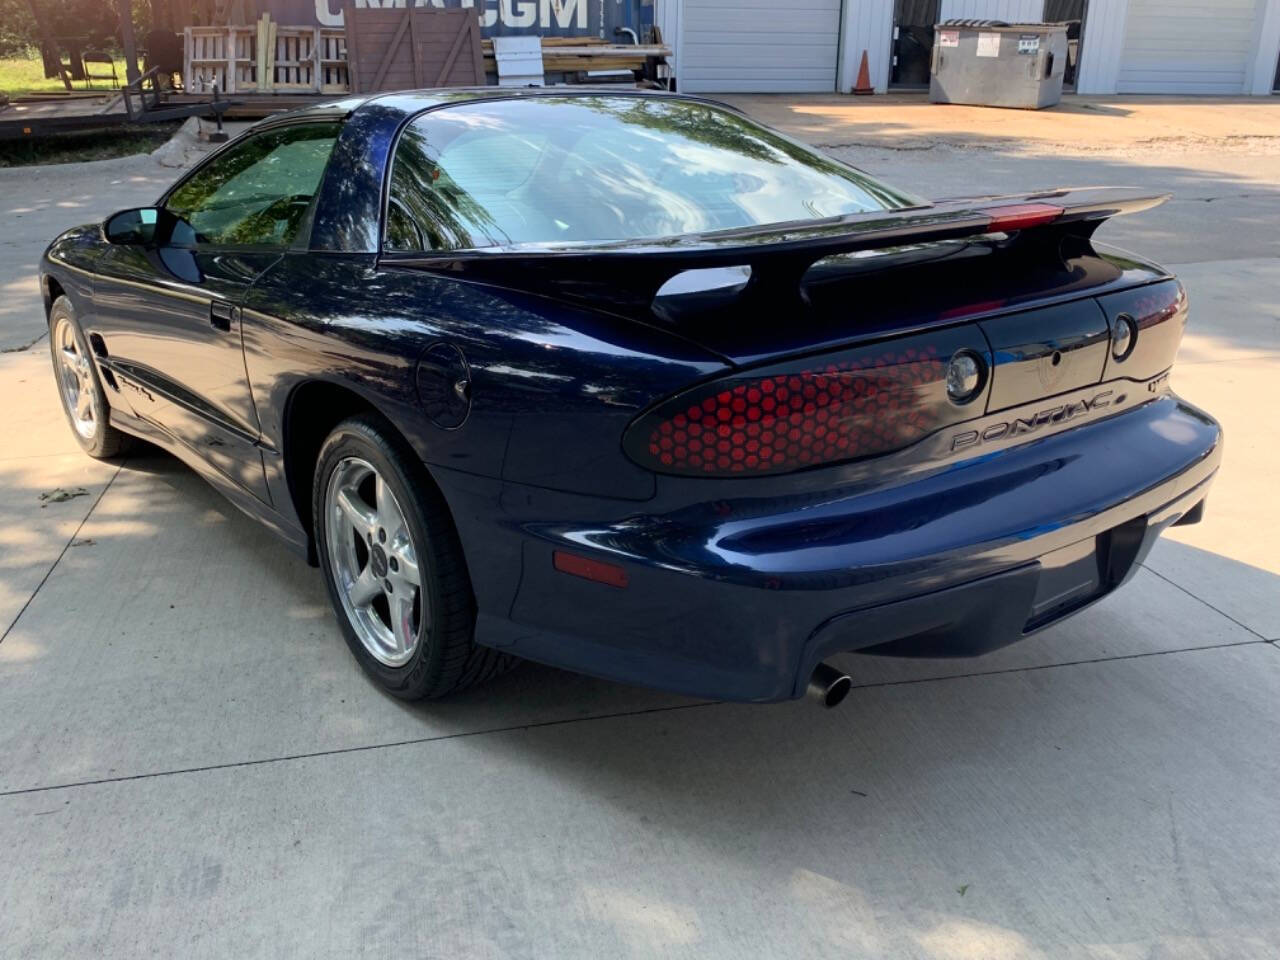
(1019, 216)
(607, 573)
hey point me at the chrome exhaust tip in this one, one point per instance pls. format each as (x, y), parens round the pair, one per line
(828, 685)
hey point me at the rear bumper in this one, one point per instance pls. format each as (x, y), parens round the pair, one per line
(740, 598)
(985, 614)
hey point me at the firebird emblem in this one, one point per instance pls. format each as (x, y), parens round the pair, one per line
(1037, 421)
(1051, 369)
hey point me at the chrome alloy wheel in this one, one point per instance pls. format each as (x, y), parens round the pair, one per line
(374, 562)
(75, 377)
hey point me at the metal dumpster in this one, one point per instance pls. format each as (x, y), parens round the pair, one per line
(996, 64)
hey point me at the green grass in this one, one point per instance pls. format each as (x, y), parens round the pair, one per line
(23, 75)
(90, 145)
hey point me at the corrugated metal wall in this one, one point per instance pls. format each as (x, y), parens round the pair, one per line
(1187, 46)
(1266, 57)
(1011, 11)
(746, 46)
(666, 16)
(1103, 42)
(868, 25)
(1107, 51)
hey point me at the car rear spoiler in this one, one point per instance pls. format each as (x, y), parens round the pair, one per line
(626, 277)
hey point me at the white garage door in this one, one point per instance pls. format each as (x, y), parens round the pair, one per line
(759, 46)
(1187, 46)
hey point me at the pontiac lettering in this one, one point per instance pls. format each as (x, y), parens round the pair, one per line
(1035, 422)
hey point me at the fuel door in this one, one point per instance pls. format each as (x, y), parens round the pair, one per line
(444, 385)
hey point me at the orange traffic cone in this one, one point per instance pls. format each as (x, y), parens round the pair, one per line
(863, 86)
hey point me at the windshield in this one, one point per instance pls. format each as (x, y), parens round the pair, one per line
(595, 169)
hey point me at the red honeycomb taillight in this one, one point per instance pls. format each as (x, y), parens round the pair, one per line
(855, 404)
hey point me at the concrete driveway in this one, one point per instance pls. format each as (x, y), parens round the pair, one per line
(191, 764)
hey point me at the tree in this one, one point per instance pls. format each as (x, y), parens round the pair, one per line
(92, 23)
(17, 29)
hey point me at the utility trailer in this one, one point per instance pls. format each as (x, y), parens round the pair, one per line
(138, 102)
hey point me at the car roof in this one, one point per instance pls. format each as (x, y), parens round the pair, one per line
(349, 206)
(410, 102)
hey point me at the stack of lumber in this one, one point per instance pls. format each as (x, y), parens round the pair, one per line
(570, 54)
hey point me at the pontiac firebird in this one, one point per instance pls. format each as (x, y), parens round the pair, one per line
(629, 384)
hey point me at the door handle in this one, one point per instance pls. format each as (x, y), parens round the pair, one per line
(221, 314)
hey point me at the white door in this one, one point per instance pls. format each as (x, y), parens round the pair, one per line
(1187, 46)
(758, 46)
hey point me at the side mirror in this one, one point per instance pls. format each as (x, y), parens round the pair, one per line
(132, 227)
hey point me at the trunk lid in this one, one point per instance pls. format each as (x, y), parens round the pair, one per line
(846, 300)
(823, 284)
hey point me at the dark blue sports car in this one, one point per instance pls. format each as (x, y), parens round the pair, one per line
(629, 384)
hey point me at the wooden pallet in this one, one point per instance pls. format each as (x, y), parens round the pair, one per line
(236, 60)
(300, 60)
(332, 59)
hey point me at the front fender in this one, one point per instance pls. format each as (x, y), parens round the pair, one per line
(68, 265)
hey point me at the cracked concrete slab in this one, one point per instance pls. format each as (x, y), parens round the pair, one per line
(41, 458)
(1231, 560)
(34, 533)
(1098, 791)
(201, 607)
(203, 660)
(1107, 810)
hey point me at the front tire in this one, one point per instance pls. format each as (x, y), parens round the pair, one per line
(393, 565)
(79, 388)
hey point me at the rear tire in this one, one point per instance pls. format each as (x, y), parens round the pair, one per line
(394, 567)
(79, 387)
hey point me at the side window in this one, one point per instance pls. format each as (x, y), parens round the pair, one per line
(258, 191)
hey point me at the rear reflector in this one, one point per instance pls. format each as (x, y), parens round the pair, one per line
(1154, 305)
(597, 570)
(858, 403)
(1020, 216)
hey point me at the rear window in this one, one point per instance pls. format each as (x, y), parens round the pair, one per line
(595, 169)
